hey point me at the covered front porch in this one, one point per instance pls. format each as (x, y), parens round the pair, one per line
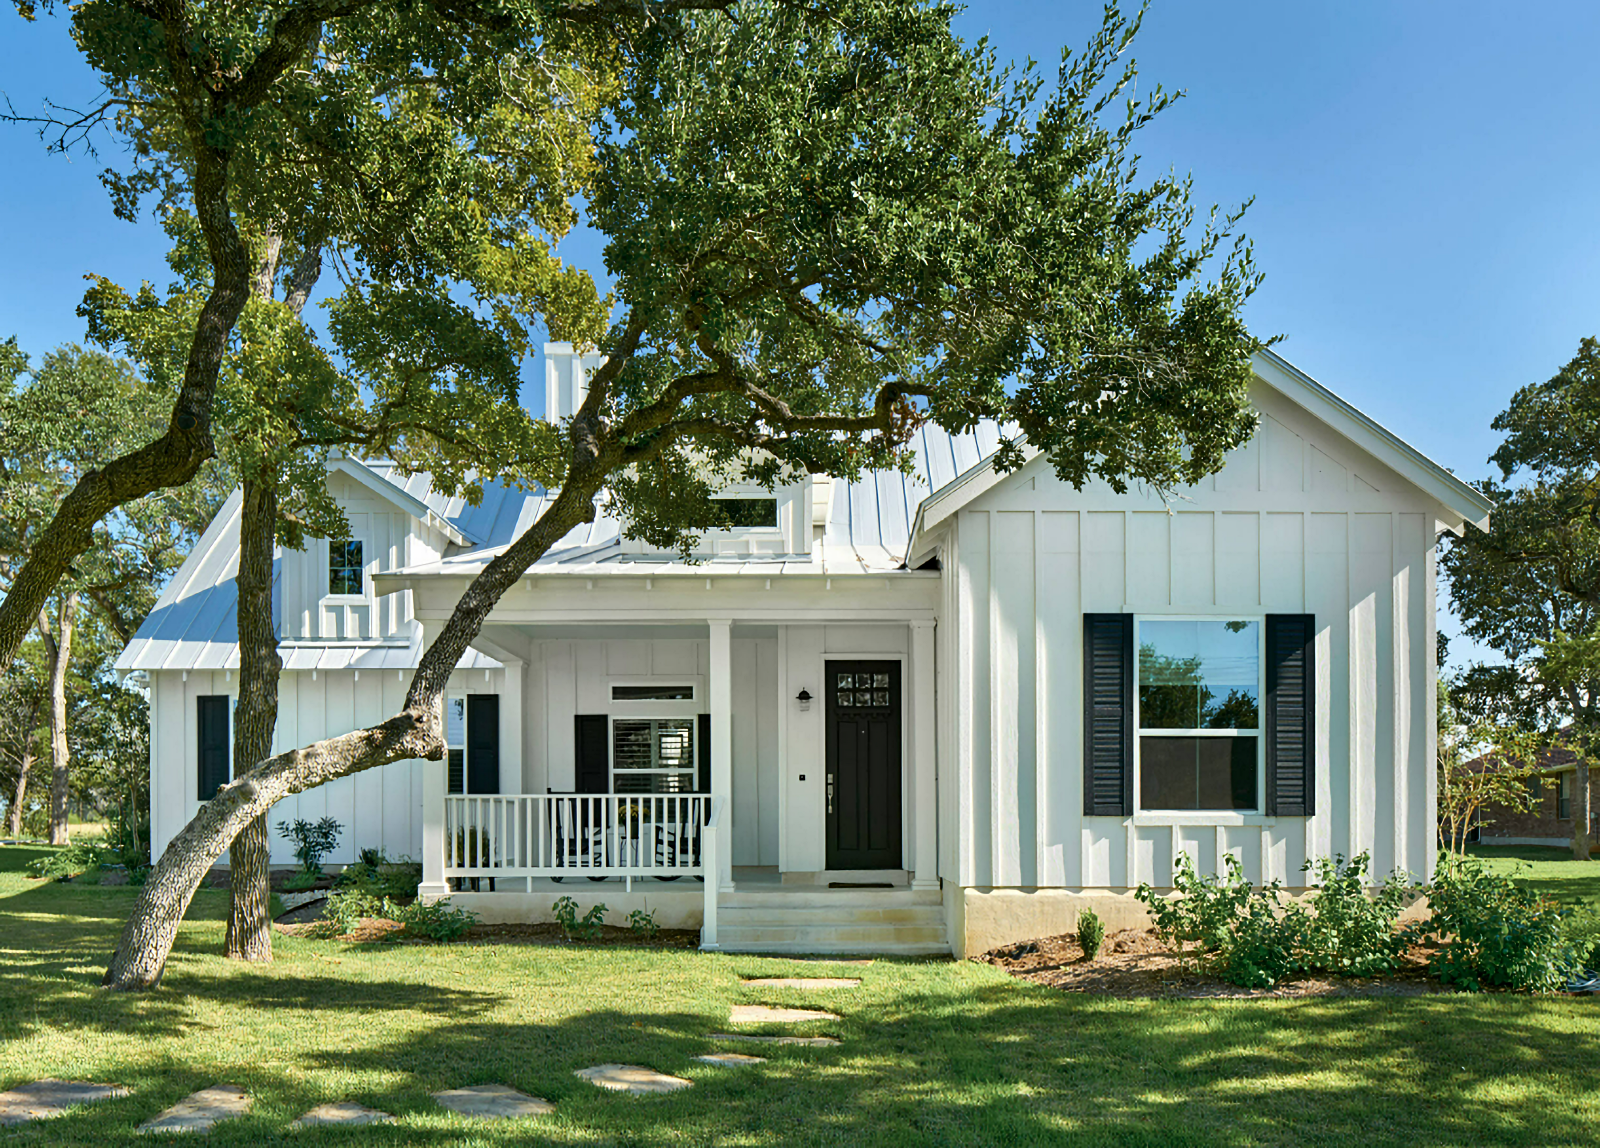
(670, 765)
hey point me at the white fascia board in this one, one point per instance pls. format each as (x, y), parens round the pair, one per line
(1463, 501)
(406, 501)
(953, 495)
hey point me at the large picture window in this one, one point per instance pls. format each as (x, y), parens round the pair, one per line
(1199, 695)
(652, 755)
(345, 567)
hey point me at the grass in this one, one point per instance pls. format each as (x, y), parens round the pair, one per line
(933, 1053)
(1547, 870)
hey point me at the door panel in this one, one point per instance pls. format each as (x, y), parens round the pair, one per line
(863, 764)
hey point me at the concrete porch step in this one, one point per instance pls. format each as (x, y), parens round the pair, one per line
(931, 915)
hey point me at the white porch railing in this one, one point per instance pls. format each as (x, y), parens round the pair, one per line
(576, 835)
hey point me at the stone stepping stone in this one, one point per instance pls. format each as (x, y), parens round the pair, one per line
(731, 1059)
(198, 1111)
(632, 1078)
(768, 1014)
(493, 1102)
(803, 982)
(46, 1099)
(812, 1041)
(342, 1112)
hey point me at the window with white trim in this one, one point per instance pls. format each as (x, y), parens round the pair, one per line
(653, 755)
(1199, 700)
(346, 572)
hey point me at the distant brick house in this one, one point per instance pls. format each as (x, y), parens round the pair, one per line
(1549, 822)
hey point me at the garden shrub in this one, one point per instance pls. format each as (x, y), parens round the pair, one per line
(565, 911)
(643, 923)
(1091, 934)
(1583, 934)
(1495, 933)
(374, 873)
(593, 922)
(71, 860)
(438, 921)
(1349, 932)
(313, 840)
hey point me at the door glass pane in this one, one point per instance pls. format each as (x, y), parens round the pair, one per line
(845, 681)
(880, 681)
(845, 698)
(880, 697)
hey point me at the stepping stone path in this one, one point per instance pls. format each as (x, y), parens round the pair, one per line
(731, 1059)
(44, 1099)
(767, 1014)
(493, 1102)
(803, 982)
(632, 1078)
(342, 1112)
(812, 1041)
(198, 1111)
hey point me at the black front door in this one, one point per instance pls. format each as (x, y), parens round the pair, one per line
(863, 782)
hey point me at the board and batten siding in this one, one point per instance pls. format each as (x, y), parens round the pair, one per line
(378, 808)
(1298, 521)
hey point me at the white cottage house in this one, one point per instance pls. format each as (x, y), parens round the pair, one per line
(924, 713)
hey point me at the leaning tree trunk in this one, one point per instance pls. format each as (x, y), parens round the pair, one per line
(415, 732)
(249, 931)
(59, 645)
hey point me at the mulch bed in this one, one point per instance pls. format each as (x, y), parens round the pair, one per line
(1134, 963)
(221, 879)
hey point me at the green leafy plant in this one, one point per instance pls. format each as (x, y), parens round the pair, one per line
(1582, 930)
(1091, 934)
(643, 923)
(438, 921)
(299, 881)
(1349, 932)
(593, 922)
(565, 911)
(375, 873)
(71, 860)
(313, 840)
(1495, 933)
(1202, 910)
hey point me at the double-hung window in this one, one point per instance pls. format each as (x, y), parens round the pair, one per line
(653, 755)
(346, 575)
(1199, 687)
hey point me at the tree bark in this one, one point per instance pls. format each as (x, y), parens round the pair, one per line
(249, 936)
(415, 732)
(1582, 829)
(59, 646)
(14, 815)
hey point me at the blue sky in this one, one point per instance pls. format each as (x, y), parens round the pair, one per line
(1424, 174)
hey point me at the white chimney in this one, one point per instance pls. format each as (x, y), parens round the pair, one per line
(566, 379)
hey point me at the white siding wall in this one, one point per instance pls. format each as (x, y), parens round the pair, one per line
(379, 808)
(1298, 521)
(391, 539)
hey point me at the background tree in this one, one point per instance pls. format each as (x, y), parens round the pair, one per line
(826, 227)
(1483, 765)
(1529, 588)
(76, 409)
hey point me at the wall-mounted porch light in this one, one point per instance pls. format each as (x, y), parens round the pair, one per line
(804, 698)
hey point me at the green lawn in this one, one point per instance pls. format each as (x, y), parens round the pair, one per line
(934, 1053)
(1548, 870)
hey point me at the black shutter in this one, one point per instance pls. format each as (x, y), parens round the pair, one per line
(483, 743)
(702, 752)
(213, 714)
(592, 753)
(1107, 715)
(1289, 717)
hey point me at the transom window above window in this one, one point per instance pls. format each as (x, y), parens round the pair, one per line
(1199, 690)
(653, 692)
(650, 755)
(345, 569)
(863, 691)
(743, 513)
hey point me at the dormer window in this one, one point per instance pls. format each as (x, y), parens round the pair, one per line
(744, 514)
(345, 568)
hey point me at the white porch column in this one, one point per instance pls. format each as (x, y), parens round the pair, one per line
(511, 729)
(720, 689)
(924, 802)
(434, 782)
